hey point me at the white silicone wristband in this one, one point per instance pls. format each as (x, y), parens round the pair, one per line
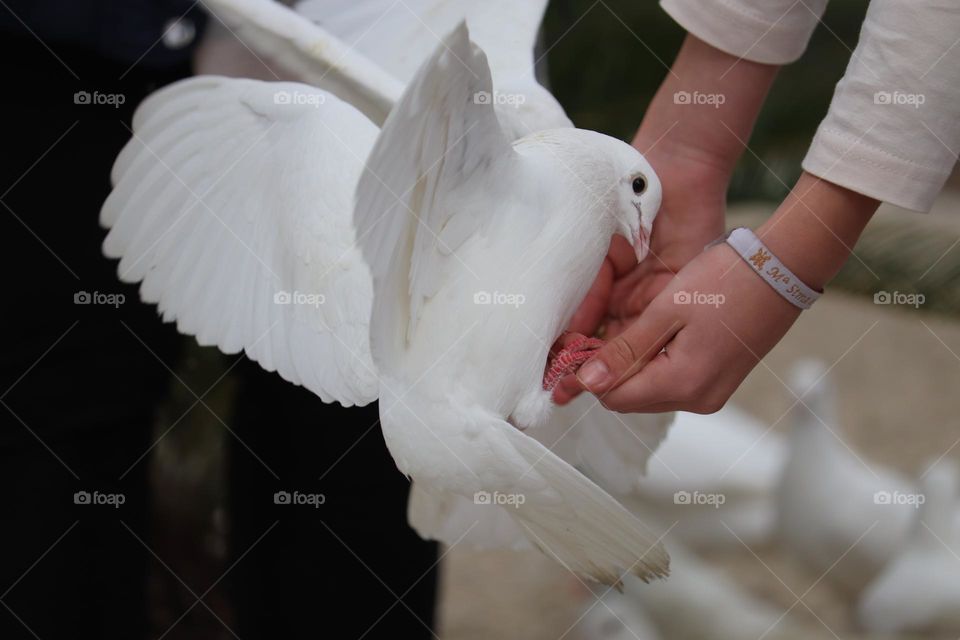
(767, 266)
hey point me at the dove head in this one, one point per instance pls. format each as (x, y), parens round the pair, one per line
(638, 197)
(613, 175)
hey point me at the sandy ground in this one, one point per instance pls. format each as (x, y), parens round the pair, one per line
(897, 371)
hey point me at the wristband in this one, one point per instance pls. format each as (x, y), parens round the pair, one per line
(766, 265)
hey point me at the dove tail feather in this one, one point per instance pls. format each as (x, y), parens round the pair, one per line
(568, 518)
(589, 532)
(450, 518)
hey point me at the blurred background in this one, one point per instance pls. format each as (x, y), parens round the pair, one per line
(891, 371)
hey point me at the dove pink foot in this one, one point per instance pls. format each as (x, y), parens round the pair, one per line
(569, 359)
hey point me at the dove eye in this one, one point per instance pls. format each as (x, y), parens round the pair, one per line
(639, 185)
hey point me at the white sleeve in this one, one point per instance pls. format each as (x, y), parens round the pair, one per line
(765, 31)
(893, 129)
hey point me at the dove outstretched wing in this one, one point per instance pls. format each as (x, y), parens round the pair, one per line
(233, 205)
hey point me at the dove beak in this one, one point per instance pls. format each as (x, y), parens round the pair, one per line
(641, 237)
(641, 243)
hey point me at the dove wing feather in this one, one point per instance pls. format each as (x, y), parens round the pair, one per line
(400, 36)
(311, 53)
(436, 140)
(235, 212)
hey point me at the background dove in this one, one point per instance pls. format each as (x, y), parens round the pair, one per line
(918, 590)
(830, 507)
(263, 258)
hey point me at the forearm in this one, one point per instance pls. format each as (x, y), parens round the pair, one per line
(816, 227)
(711, 129)
(694, 142)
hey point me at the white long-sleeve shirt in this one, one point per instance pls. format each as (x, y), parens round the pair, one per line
(893, 128)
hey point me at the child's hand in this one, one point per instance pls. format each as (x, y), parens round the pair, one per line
(691, 347)
(715, 328)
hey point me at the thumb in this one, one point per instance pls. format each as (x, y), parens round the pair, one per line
(629, 351)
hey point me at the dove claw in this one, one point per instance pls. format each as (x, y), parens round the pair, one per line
(569, 359)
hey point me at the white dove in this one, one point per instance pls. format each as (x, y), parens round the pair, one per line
(233, 205)
(836, 513)
(340, 45)
(366, 51)
(716, 477)
(701, 601)
(919, 589)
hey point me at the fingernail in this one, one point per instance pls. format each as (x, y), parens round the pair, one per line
(593, 373)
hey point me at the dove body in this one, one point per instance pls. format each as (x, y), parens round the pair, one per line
(470, 368)
(517, 282)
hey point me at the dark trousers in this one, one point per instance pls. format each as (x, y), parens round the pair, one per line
(350, 564)
(80, 384)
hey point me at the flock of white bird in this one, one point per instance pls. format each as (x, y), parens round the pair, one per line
(888, 544)
(357, 231)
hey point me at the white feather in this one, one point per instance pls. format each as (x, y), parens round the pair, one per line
(310, 52)
(366, 51)
(231, 199)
